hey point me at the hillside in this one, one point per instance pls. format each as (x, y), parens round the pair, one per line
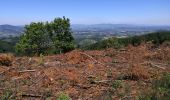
(10, 30)
(109, 74)
(156, 38)
(7, 44)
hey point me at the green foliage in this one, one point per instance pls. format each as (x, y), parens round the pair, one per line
(45, 38)
(63, 96)
(61, 35)
(34, 39)
(117, 84)
(6, 96)
(127, 89)
(160, 89)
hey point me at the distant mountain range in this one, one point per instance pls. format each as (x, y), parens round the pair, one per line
(10, 30)
(122, 27)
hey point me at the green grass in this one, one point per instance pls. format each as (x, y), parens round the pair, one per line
(6, 96)
(63, 96)
(160, 89)
(117, 84)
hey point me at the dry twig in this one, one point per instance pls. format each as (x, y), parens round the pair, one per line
(27, 71)
(157, 66)
(93, 59)
(31, 95)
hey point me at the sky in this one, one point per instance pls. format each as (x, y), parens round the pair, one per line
(150, 12)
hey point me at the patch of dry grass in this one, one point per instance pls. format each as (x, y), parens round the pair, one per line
(136, 73)
(6, 59)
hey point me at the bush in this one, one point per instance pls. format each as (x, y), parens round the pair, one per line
(117, 84)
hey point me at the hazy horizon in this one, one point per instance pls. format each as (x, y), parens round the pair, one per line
(98, 24)
(143, 12)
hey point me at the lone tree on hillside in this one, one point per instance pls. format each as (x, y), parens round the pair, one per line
(46, 38)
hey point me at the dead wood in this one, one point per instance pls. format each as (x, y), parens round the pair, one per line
(157, 66)
(32, 95)
(93, 59)
(27, 71)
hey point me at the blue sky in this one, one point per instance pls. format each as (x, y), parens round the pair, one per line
(152, 12)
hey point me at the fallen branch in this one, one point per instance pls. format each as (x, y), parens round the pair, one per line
(83, 86)
(126, 97)
(93, 59)
(16, 78)
(102, 81)
(157, 66)
(27, 71)
(35, 83)
(31, 95)
(122, 50)
(116, 62)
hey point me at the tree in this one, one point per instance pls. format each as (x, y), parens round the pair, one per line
(34, 40)
(46, 37)
(62, 35)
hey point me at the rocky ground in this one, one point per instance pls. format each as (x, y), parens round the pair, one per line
(108, 74)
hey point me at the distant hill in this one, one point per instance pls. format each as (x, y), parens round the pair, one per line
(10, 31)
(118, 27)
(99, 31)
(7, 30)
(7, 44)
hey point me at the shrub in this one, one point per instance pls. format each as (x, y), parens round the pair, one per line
(117, 84)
